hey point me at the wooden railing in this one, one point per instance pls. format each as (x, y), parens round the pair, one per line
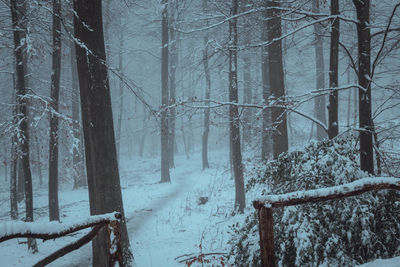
(264, 207)
(53, 230)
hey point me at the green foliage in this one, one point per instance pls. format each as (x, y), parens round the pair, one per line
(333, 233)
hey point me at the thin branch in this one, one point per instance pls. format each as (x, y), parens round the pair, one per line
(384, 39)
(353, 64)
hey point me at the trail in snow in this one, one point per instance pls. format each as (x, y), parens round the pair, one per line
(156, 213)
(164, 221)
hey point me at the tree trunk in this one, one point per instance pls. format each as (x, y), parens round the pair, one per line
(38, 159)
(20, 177)
(247, 97)
(13, 168)
(173, 61)
(165, 177)
(319, 104)
(266, 143)
(185, 143)
(247, 88)
(234, 112)
(349, 98)
(278, 115)
(364, 94)
(333, 127)
(101, 156)
(55, 95)
(22, 115)
(206, 122)
(5, 164)
(121, 91)
(77, 149)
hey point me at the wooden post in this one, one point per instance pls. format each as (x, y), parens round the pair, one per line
(114, 243)
(266, 230)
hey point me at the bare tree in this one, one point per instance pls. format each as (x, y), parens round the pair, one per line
(121, 87)
(54, 95)
(206, 123)
(276, 79)
(247, 89)
(173, 62)
(234, 125)
(98, 127)
(319, 104)
(165, 177)
(333, 124)
(22, 116)
(77, 149)
(266, 142)
(364, 92)
(13, 168)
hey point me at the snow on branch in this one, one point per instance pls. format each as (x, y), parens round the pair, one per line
(335, 192)
(51, 230)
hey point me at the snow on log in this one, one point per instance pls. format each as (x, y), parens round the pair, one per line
(51, 230)
(346, 190)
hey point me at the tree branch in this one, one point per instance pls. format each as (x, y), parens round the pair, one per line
(323, 194)
(70, 247)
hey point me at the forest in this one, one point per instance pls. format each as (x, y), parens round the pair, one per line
(200, 133)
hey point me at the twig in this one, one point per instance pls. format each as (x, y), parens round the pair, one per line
(202, 255)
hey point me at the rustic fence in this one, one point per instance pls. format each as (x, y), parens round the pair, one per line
(264, 207)
(53, 230)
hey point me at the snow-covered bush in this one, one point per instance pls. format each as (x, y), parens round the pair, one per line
(333, 233)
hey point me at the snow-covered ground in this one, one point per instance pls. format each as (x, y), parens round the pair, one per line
(165, 222)
(394, 262)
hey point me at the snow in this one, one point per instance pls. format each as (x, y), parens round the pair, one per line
(323, 192)
(11, 228)
(394, 262)
(164, 221)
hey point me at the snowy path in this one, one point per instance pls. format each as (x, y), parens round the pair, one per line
(164, 220)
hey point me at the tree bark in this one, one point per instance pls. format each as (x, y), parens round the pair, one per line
(364, 93)
(13, 168)
(5, 164)
(101, 156)
(55, 95)
(234, 127)
(20, 176)
(121, 91)
(77, 149)
(319, 104)
(22, 115)
(165, 177)
(247, 93)
(173, 61)
(266, 143)
(333, 125)
(276, 78)
(206, 122)
(38, 159)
